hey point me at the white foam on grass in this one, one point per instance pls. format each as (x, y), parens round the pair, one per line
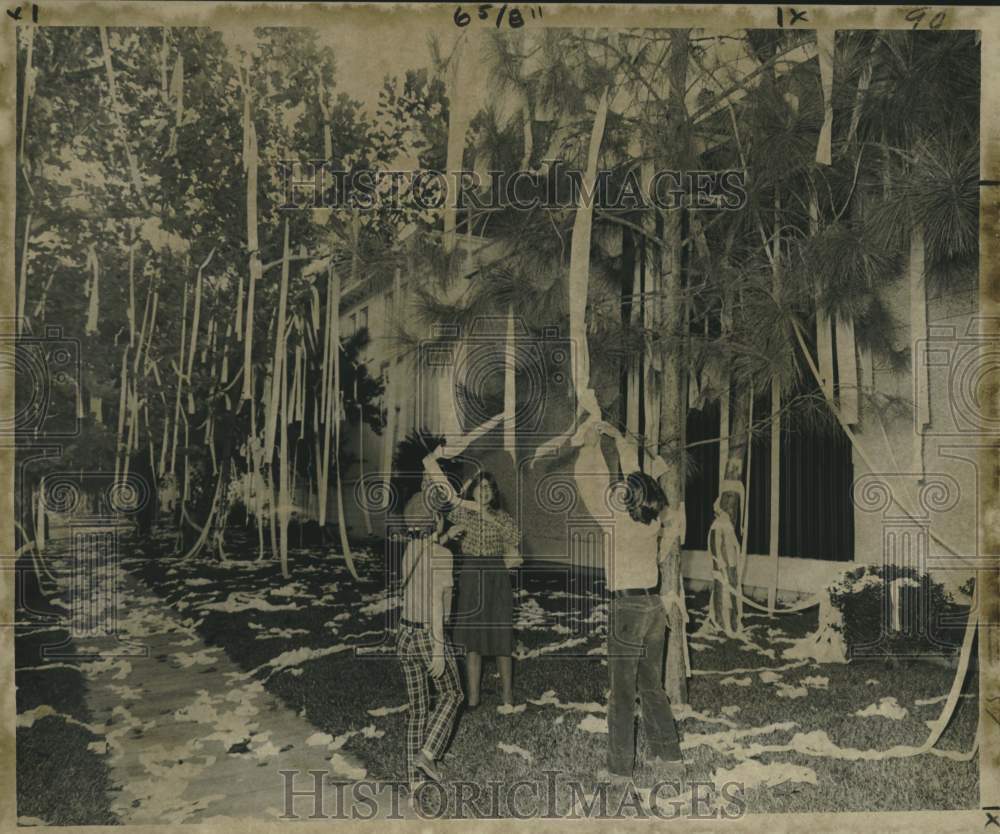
(127, 693)
(514, 750)
(751, 774)
(549, 698)
(282, 633)
(292, 589)
(750, 645)
(817, 743)
(725, 741)
(206, 657)
(121, 668)
(523, 653)
(345, 767)
(885, 708)
(380, 712)
(685, 712)
(294, 658)
(382, 605)
(593, 724)
(239, 601)
(28, 718)
(751, 670)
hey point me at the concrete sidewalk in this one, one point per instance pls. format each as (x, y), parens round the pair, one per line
(189, 736)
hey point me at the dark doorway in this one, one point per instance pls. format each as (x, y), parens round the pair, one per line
(817, 472)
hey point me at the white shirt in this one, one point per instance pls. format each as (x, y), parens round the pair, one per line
(631, 559)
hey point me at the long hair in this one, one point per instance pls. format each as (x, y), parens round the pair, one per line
(476, 480)
(644, 499)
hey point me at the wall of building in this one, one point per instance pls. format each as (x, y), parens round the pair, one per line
(941, 493)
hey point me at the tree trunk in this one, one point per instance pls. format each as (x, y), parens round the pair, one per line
(275, 415)
(337, 423)
(253, 245)
(670, 309)
(22, 289)
(323, 434)
(918, 338)
(180, 384)
(458, 123)
(669, 320)
(29, 86)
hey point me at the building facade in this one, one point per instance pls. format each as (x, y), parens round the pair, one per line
(896, 482)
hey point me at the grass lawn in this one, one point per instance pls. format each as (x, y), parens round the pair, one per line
(248, 609)
(59, 780)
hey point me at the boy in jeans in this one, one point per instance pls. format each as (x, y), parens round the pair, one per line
(637, 622)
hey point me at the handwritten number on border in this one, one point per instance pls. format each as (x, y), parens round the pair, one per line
(515, 17)
(15, 13)
(795, 16)
(916, 16)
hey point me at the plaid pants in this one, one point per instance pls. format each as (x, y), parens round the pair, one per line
(427, 729)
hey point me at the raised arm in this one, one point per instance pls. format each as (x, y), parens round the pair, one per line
(463, 442)
(628, 450)
(657, 467)
(433, 468)
(435, 473)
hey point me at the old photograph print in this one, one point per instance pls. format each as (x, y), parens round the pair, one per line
(480, 412)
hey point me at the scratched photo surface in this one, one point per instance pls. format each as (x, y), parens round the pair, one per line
(480, 412)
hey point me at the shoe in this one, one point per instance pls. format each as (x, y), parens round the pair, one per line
(422, 762)
(669, 768)
(614, 777)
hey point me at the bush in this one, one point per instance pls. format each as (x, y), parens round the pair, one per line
(864, 599)
(969, 586)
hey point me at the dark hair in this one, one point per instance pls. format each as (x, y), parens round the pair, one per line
(644, 499)
(476, 480)
(408, 465)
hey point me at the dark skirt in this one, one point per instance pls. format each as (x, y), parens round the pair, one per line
(484, 610)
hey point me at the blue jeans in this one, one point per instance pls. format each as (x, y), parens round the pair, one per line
(637, 634)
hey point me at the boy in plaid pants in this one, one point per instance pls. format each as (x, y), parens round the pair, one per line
(426, 658)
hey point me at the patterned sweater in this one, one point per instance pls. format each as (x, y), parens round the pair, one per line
(487, 534)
